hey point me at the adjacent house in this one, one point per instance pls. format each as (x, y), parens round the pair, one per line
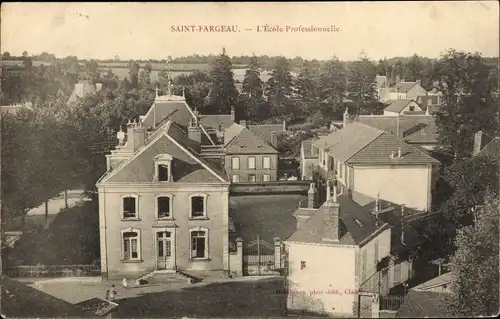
(15, 108)
(346, 251)
(402, 106)
(428, 300)
(376, 163)
(486, 146)
(83, 88)
(248, 158)
(401, 89)
(161, 205)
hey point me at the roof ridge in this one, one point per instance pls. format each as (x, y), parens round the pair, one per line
(376, 137)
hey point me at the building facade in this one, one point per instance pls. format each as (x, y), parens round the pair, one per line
(161, 206)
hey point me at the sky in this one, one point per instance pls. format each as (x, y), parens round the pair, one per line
(144, 30)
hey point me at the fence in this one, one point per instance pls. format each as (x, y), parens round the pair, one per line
(53, 271)
(391, 302)
(272, 187)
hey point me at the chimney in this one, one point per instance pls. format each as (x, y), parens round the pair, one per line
(419, 82)
(232, 113)
(311, 196)
(331, 219)
(220, 135)
(194, 131)
(243, 123)
(120, 135)
(398, 127)
(398, 79)
(400, 153)
(136, 135)
(478, 139)
(98, 87)
(346, 117)
(328, 190)
(284, 126)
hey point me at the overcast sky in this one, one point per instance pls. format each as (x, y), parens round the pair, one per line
(143, 30)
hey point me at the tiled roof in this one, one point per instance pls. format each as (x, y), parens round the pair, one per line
(424, 304)
(264, 131)
(352, 215)
(246, 142)
(20, 300)
(492, 149)
(413, 129)
(176, 111)
(212, 121)
(380, 149)
(345, 143)
(404, 87)
(187, 165)
(397, 106)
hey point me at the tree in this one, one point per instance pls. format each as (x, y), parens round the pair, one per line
(133, 74)
(252, 92)
(306, 88)
(145, 75)
(469, 106)
(413, 70)
(333, 85)
(383, 67)
(279, 88)
(25, 54)
(6, 55)
(475, 267)
(223, 93)
(361, 88)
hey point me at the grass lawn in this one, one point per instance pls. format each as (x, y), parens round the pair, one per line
(227, 299)
(267, 215)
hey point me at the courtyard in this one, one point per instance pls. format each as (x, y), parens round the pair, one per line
(268, 216)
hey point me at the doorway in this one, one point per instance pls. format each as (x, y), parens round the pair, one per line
(165, 250)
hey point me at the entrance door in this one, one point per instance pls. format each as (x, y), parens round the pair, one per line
(164, 248)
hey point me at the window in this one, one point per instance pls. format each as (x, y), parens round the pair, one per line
(251, 162)
(235, 163)
(266, 162)
(130, 244)
(163, 174)
(323, 158)
(198, 206)
(412, 108)
(302, 264)
(199, 243)
(129, 207)
(376, 253)
(236, 178)
(163, 168)
(251, 178)
(266, 178)
(331, 162)
(164, 206)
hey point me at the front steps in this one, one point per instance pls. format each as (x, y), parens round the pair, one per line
(161, 276)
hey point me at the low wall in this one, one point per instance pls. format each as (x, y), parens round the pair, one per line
(274, 187)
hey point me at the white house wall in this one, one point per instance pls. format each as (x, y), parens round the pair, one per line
(401, 184)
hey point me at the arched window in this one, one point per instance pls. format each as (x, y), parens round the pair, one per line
(198, 206)
(131, 244)
(199, 243)
(164, 204)
(163, 168)
(130, 207)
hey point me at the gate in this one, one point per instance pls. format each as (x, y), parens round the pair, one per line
(258, 258)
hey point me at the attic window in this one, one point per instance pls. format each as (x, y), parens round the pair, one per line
(422, 131)
(243, 146)
(358, 223)
(163, 168)
(259, 146)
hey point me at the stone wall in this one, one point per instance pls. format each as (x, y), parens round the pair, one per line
(275, 187)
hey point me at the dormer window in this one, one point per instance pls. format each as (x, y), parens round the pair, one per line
(163, 168)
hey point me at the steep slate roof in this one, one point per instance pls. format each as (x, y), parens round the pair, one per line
(350, 232)
(246, 142)
(492, 149)
(232, 132)
(361, 144)
(413, 128)
(20, 300)
(424, 304)
(398, 105)
(187, 165)
(212, 121)
(264, 131)
(161, 111)
(87, 89)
